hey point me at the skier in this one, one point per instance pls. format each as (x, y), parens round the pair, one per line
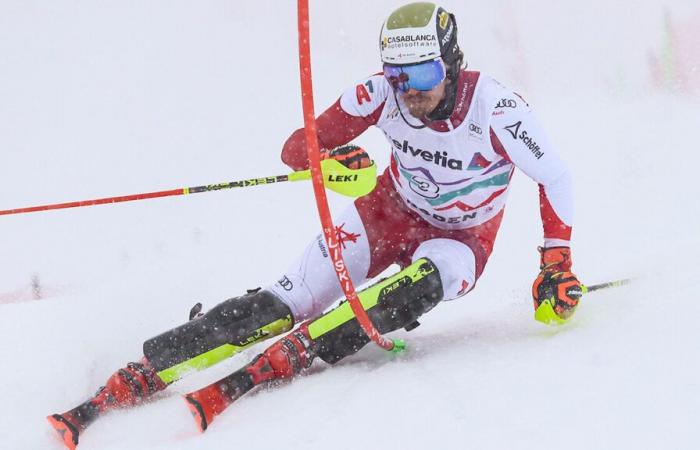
(455, 138)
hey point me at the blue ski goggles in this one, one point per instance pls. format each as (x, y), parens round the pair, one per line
(423, 76)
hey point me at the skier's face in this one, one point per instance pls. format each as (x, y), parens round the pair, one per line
(421, 85)
(421, 103)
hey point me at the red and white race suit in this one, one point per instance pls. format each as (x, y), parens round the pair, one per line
(443, 195)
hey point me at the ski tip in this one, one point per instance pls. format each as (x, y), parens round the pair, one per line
(197, 412)
(66, 430)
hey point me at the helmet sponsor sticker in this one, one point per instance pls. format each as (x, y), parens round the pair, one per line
(446, 38)
(444, 18)
(408, 41)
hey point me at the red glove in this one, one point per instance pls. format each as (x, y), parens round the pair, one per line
(351, 156)
(556, 291)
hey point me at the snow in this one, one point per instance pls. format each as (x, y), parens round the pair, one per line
(110, 98)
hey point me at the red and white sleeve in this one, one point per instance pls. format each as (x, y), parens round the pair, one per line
(354, 112)
(519, 135)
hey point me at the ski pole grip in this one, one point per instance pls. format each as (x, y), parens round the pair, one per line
(341, 179)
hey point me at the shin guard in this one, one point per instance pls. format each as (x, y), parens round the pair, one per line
(393, 303)
(223, 331)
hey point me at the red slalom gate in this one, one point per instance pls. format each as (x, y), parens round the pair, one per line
(317, 178)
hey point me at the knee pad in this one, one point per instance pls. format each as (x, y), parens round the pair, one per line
(310, 285)
(455, 262)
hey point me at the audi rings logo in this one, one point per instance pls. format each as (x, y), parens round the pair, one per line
(507, 103)
(286, 283)
(475, 129)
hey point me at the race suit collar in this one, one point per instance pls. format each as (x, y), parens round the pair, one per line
(460, 98)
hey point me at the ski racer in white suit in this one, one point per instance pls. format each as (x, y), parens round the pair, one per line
(455, 138)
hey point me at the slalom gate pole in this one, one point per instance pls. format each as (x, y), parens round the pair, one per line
(147, 195)
(319, 191)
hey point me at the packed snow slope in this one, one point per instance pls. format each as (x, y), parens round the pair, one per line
(120, 97)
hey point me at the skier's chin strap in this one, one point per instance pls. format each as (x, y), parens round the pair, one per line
(441, 112)
(398, 105)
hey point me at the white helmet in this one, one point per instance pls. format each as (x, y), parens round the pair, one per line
(419, 32)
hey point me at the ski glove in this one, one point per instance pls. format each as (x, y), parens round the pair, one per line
(351, 156)
(556, 290)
